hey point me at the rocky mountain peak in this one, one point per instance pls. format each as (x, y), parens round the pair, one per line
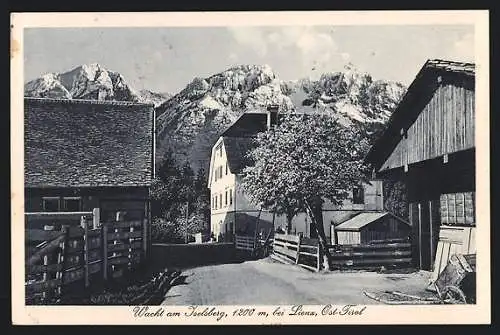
(89, 81)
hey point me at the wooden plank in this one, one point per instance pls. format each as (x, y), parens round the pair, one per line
(354, 262)
(372, 254)
(41, 286)
(73, 275)
(451, 234)
(281, 258)
(96, 218)
(286, 252)
(124, 224)
(105, 251)
(118, 260)
(36, 269)
(437, 262)
(35, 235)
(445, 255)
(57, 215)
(124, 246)
(367, 247)
(288, 238)
(305, 266)
(124, 235)
(308, 254)
(472, 241)
(308, 247)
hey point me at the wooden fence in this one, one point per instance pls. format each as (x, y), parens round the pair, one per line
(388, 253)
(72, 258)
(306, 253)
(244, 242)
(309, 254)
(286, 247)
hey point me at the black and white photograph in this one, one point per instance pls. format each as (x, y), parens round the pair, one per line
(269, 166)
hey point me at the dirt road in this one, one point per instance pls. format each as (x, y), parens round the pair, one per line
(265, 282)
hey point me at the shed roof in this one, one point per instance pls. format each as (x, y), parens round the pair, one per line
(84, 143)
(363, 219)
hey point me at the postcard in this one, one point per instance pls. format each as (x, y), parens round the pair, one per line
(324, 167)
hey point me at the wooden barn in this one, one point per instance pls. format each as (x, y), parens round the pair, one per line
(367, 227)
(82, 154)
(429, 144)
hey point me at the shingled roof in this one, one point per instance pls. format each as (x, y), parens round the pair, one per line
(83, 143)
(451, 66)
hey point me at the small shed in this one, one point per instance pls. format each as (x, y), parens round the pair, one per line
(370, 226)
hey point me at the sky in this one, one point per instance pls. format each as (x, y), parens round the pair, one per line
(166, 59)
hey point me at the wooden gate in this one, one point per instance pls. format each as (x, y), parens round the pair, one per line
(242, 242)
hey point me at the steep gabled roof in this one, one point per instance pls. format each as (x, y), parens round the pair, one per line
(82, 143)
(237, 149)
(247, 125)
(422, 88)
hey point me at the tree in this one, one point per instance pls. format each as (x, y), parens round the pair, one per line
(173, 189)
(303, 161)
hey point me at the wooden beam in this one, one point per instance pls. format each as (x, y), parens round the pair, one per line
(96, 217)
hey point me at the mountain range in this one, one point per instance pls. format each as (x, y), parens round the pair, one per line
(190, 121)
(90, 81)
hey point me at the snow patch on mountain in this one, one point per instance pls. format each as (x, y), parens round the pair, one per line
(89, 81)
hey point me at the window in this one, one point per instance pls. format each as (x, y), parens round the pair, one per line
(230, 197)
(50, 204)
(218, 150)
(215, 202)
(358, 195)
(61, 204)
(215, 175)
(71, 204)
(225, 199)
(220, 171)
(226, 168)
(220, 200)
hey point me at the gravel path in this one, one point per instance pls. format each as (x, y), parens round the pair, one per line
(265, 282)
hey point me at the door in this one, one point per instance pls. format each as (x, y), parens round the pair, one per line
(424, 218)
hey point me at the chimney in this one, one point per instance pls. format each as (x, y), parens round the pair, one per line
(272, 116)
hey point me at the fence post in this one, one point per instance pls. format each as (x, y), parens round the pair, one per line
(65, 230)
(96, 217)
(105, 251)
(145, 236)
(319, 257)
(298, 250)
(85, 226)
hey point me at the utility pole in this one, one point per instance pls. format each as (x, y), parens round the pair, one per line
(186, 225)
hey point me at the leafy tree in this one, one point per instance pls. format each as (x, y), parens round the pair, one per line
(300, 163)
(173, 188)
(395, 198)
